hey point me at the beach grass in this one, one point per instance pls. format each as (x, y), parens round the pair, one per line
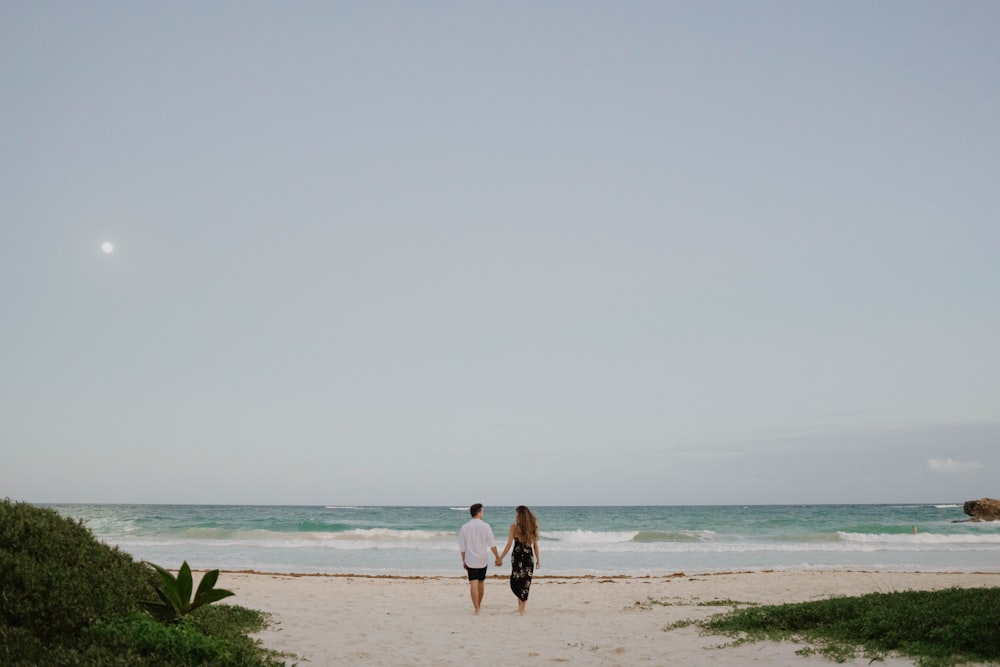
(935, 628)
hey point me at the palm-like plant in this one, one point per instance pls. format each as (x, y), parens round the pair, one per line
(175, 593)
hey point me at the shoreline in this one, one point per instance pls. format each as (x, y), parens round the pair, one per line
(539, 575)
(390, 620)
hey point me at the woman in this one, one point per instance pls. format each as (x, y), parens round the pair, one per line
(523, 535)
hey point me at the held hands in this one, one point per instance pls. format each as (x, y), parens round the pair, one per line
(499, 562)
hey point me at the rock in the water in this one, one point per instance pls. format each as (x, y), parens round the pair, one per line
(984, 509)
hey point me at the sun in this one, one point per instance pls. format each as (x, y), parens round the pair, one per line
(108, 247)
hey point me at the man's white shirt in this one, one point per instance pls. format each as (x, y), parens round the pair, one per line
(476, 539)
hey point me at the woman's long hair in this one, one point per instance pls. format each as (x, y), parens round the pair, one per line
(526, 526)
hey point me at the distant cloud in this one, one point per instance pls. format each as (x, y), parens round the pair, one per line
(953, 466)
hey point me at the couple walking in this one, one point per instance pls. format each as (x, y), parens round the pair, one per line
(475, 540)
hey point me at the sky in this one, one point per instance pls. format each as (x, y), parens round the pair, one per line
(552, 253)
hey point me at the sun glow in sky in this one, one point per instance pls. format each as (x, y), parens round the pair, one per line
(500, 252)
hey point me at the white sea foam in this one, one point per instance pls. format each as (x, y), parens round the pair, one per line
(936, 539)
(703, 541)
(700, 534)
(393, 534)
(589, 536)
(271, 537)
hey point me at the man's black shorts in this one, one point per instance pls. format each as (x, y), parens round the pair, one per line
(476, 573)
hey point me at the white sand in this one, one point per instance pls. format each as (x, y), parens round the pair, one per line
(347, 620)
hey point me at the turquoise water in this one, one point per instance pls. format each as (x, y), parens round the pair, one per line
(574, 540)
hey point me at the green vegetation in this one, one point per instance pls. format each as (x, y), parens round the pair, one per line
(663, 602)
(936, 628)
(175, 593)
(210, 636)
(67, 599)
(725, 603)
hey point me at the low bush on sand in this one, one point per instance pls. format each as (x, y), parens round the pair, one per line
(68, 599)
(935, 628)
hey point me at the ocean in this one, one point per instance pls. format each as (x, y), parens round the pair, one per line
(603, 541)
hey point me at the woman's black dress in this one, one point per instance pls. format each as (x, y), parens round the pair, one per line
(522, 563)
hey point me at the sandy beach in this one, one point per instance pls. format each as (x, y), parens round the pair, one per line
(387, 621)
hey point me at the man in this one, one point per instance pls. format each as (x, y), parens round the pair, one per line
(475, 540)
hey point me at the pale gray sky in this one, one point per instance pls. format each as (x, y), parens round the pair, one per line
(546, 252)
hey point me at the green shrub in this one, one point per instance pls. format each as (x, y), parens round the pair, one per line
(56, 579)
(67, 599)
(228, 620)
(139, 639)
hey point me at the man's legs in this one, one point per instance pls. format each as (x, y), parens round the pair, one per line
(474, 593)
(477, 587)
